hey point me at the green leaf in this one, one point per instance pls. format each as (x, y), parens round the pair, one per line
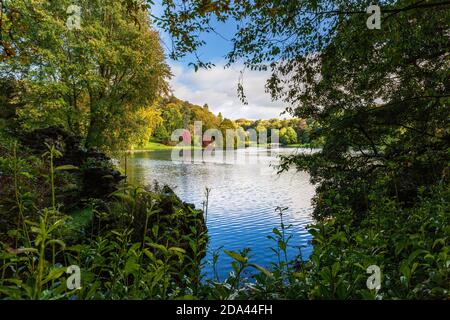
(26, 175)
(177, 250)
(131, 266)
(415, 254)
(359, 265)
(236, 256)
(158, 247)
(404, 269)
(335, 269)
(54, 274)
(439, 241)
(149, 254)
(276, 231)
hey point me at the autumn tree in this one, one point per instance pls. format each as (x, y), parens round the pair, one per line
(98, 80)
(288, 136)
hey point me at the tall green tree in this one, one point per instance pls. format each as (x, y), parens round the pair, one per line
(288, 136)
(93, 80)
(228, 125)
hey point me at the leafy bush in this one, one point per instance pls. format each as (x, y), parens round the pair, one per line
(411, 246)
(137, 244)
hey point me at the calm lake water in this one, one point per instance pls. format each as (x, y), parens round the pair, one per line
(245, 192)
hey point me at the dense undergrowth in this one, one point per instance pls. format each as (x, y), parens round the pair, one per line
(411, 247)
(142, 243)
(136, 243)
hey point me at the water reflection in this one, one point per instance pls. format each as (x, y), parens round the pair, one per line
(243, 198)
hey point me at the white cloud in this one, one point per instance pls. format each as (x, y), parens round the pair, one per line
(218, 88)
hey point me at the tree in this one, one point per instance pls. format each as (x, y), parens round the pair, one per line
(228, 125)
(288, 136)
(143, 125)
(93, 81)
(178, 114)
(172, 117)
(208, 119)
(382, 93)
(244, 123)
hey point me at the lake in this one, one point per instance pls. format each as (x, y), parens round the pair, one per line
(245, 191)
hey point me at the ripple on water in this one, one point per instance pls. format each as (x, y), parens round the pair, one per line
(241, 205)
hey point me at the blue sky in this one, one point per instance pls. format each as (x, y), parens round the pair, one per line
(218, 86)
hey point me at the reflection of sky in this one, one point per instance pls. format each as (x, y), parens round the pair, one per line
(242, 201)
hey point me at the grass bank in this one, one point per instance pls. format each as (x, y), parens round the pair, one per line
(156, 146)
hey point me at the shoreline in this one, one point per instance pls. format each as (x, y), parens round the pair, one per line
(156, 146)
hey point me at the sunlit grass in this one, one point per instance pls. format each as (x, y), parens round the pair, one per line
(156, 146)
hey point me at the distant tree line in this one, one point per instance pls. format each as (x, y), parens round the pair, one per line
(174, 113)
